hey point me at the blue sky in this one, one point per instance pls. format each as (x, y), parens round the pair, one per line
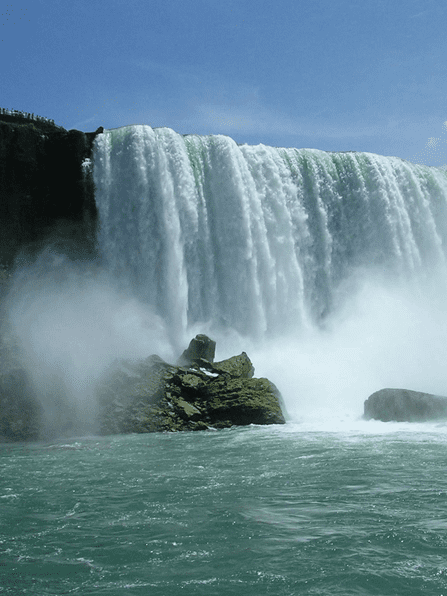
(338, 75)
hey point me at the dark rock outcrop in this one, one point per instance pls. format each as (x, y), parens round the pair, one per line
(200, 347)
(404, 405)
(45, 182)
(153, 395)
(147, 396)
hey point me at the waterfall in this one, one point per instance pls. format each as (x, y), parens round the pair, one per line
(254, 238)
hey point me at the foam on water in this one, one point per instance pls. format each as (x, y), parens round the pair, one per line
(255, 510)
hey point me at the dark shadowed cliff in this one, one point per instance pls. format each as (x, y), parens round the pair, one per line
(45, 184)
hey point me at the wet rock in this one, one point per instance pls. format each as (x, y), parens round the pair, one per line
(200, 348)
(243, 401)
(404, 405)
(150, 395)
(154, 396)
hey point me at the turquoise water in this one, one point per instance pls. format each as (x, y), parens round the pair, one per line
(279, 510)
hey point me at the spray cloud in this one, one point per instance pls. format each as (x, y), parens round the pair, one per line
(72, 322)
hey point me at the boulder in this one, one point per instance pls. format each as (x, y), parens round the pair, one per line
(152, 395)
(236, 366)
(242, 401)
(130, 394)
(200, 348)
(404, 405)
(148, 395)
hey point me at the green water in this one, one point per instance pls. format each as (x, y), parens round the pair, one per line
(259, 510)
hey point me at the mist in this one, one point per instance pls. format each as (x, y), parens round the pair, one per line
(72, 322)
(384, 333)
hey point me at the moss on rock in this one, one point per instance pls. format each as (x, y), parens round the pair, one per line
(151, 396)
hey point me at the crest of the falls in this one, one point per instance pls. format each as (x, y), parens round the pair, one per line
(254, 238)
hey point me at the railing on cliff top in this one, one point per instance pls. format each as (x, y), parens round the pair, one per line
(26, 116)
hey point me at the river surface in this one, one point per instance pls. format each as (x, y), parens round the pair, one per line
(281, 510)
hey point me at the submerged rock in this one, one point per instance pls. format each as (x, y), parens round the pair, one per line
(404, 405)
(153, 395)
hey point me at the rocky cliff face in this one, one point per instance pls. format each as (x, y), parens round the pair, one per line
(45, 185)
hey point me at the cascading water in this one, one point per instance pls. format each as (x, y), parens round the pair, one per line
(267, 242)
(258, 239)
(327, 268)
